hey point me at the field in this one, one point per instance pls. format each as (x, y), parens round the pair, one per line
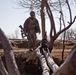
(32, 66)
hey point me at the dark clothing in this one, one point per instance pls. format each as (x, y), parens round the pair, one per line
(32, 41)
(31, 26)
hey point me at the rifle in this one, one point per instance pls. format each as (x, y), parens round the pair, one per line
(44, 43)
(23, 33)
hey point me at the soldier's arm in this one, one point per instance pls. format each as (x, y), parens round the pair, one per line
(37, 26)
(25, 25)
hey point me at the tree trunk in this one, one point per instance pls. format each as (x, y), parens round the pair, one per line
(42, 17)
(9, 56)
(63, 47)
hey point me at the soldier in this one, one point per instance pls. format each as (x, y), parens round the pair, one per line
(31, 27)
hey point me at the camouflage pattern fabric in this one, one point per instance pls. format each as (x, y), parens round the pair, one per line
(31, 26)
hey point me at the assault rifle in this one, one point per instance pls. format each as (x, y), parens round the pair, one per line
(23, 33)
(44, 43)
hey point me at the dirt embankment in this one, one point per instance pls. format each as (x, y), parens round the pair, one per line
(58, 44)
(32, 66)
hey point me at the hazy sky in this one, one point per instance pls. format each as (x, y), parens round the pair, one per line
(11, 17)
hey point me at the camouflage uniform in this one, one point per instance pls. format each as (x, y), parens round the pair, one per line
(31, 26)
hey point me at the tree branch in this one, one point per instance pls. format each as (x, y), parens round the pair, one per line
(69, 11)
(70, 24)
(53, 29)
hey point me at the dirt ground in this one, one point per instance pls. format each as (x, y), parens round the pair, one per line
(32, 66)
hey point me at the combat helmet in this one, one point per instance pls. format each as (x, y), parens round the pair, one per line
(32, 13)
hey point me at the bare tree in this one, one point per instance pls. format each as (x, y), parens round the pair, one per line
(16, 33)
(70, 34)
(62, 17)
(39, 7)
(53, 34)
(8, 52)
(69, 63)
(49, 6)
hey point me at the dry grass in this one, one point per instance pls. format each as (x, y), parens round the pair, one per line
(32, 67)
